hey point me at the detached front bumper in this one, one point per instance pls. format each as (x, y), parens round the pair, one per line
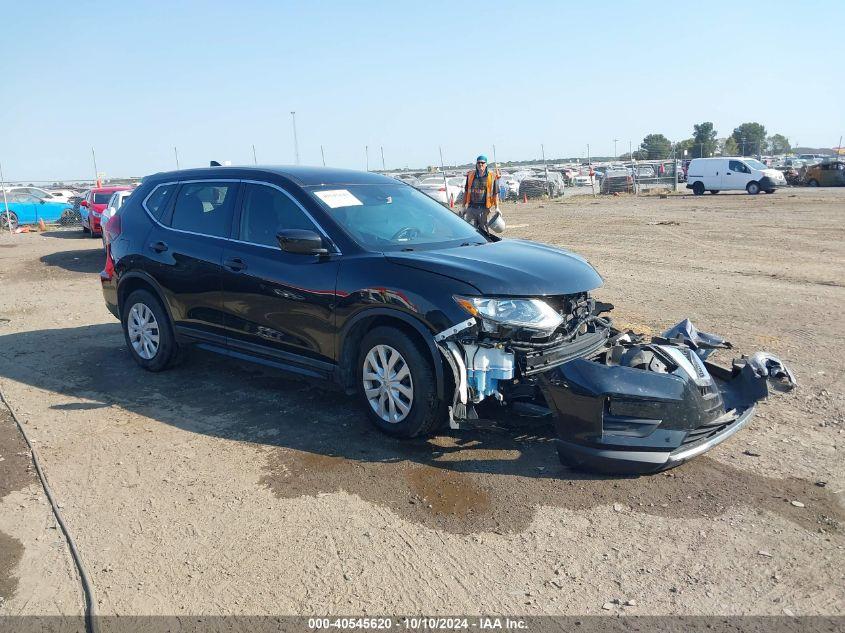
(621, 420)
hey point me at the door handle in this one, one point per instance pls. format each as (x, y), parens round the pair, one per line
(159, 247)
(235, 264)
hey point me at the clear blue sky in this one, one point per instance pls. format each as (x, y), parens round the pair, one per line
(212, 78)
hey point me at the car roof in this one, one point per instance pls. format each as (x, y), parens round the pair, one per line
(301, 175)
(110, 189)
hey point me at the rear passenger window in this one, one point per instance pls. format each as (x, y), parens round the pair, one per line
(205, 207)
(266, 211)
(157, 201)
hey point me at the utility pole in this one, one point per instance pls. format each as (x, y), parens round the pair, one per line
(614, 148)
(176, 154)
(383, 168)
(96, 173)
(295, 140)
(630, 151)
(545, 169)
(254, 159)
(5, 201)
(449, 200)
(742, 138)
(323, 155)
(367, 157)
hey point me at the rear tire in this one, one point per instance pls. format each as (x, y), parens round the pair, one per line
(395, 382)
(770, 190)
(753, 188)
(148, 332)
(698, 188)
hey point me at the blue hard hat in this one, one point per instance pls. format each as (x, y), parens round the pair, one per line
(482, 157)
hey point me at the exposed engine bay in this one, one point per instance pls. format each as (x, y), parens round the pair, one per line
(620, 403)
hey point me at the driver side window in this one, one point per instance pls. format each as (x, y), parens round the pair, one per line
(265, 212)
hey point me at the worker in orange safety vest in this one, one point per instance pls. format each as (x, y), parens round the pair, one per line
(481, 194)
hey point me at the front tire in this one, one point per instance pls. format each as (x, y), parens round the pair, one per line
(148, 332)
(770, 190)
(396, 384)
(752, 188)
(8, 221)
(698, 188)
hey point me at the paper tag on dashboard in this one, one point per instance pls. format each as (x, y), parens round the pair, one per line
(338, 198)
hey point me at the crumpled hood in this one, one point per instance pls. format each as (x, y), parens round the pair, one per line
(508, 267)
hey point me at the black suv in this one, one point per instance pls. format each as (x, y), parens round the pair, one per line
(362, 280)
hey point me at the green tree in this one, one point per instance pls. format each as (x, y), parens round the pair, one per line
(779, 144)
(750, 138)
(703, 139)
(685, 145)
(656, 146)
(730, 148)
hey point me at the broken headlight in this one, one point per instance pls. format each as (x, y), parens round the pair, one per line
(534, 314)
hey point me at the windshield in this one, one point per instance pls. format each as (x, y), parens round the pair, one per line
(754, 163)
(394, 217)
(102, 198)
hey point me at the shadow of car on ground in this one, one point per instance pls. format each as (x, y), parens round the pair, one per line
(90, 260)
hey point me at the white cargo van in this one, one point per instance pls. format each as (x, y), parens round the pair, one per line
(732, 174)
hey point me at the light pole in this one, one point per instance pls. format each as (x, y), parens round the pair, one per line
(742, 138)
(367, 157)
(176, 154)
(614, 148)
(295, 140)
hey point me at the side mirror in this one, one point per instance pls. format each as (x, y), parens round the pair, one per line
(301, 242)
(41, 200)
(84, 203)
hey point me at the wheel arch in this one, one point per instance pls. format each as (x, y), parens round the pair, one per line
(352, 333)
(136, 280)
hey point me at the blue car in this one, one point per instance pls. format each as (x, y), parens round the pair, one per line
(24, 208)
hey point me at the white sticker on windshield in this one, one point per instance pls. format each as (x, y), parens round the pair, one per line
(338, 198)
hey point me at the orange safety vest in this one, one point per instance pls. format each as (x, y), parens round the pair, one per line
(490, 199)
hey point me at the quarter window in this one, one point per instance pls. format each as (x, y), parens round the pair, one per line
(205, 207)
(265, 212)
(157, 201)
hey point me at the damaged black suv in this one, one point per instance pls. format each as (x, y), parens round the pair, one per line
(362, 280)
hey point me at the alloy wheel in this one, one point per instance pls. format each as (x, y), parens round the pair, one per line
(387, 383)
(143, 331)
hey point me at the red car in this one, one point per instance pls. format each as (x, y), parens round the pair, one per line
(92, 207)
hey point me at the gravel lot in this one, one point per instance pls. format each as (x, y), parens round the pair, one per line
(218, 488)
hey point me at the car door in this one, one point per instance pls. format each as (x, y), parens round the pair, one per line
(24, 206)
(736, 176)
(184, 251)
(278, 304)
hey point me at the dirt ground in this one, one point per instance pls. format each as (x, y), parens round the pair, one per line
(218, 488)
